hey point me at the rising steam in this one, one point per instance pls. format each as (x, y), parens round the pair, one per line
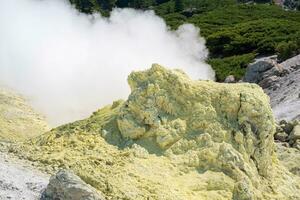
(69, 64)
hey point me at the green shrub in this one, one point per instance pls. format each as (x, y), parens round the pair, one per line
(234, 65)
(287, 50)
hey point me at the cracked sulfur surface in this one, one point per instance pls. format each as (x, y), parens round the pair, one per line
(173, 138)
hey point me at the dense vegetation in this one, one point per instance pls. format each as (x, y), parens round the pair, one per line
(235, 32)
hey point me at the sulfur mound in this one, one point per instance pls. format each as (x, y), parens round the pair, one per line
(18, 121)
(174, 138)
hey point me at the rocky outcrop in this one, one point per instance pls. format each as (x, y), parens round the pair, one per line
(281, 81)
(264, 71)
(173, 138)
(65, 185)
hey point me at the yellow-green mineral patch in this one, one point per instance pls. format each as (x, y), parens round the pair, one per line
(18, 121)
(173, 139)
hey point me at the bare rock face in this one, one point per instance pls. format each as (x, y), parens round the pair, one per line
(256, 71)
(65, 185)
(281, 81)
(264, 71)
(285, 91)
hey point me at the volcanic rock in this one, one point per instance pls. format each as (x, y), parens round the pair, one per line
(281, 81)
(65, 185)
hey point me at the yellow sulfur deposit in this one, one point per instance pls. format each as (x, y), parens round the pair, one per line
(18, 121)
(173, 139)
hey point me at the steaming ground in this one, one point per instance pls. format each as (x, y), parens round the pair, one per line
(69, 64)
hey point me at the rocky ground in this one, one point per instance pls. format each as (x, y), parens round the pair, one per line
(19, 180)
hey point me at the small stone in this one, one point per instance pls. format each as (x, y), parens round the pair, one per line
(281, 136)
(283, 122)
(295, 134)
(288, 127)
(229, 79)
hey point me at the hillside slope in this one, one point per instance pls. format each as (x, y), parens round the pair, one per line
(18, 121)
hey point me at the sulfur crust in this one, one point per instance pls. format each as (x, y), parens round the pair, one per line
(173, 139)
(18, 121)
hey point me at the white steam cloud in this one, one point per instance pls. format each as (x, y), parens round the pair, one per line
(69, 64)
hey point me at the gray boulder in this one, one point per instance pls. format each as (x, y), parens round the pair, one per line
(264, 71)
(229, 79)
(255, 71)
(65, 185)
(281, 136)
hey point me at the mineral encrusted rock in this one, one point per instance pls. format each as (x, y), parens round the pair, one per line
(175, 139)
(289, 157)
(65, 185)
(173, 110)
